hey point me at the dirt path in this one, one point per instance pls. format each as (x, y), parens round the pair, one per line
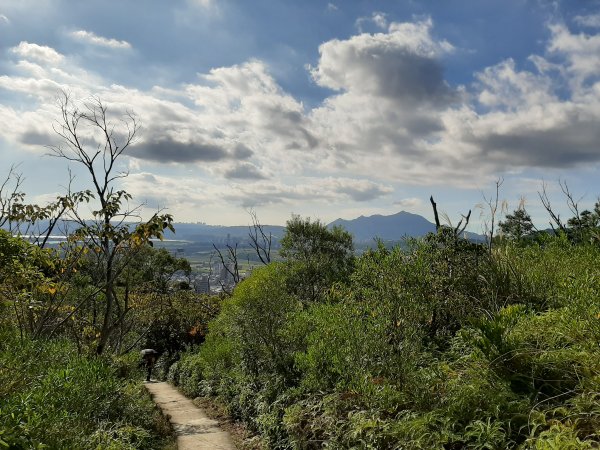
(195, 431)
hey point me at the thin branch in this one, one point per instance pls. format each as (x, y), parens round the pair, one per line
(548, 207)
(261, 243)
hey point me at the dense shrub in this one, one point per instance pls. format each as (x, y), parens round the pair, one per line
(51, 397)
(440, 344)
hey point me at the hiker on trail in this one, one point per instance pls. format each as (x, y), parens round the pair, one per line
(149, 357)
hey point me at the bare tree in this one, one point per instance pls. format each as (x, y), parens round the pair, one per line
(261, 242)
(554, 217)
(10, 195)
(90, 139)
(572, 204)
(460, 227)
(229, 262)
(492, 204)
(435, 213)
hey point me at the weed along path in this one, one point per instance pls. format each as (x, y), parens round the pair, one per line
(194, 430)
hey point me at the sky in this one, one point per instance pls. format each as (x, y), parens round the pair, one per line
(320, 108)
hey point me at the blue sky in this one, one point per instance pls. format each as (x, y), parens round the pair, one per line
(321, 108)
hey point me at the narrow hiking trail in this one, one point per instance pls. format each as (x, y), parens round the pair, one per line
(194, 429)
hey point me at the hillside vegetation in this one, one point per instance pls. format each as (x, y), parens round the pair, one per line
(443, 344)
(56, 391)
(74, 316)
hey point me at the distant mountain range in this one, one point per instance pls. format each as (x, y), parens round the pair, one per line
(364, 229)
(394, 227)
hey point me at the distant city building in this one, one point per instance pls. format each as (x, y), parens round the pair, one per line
(202, 285)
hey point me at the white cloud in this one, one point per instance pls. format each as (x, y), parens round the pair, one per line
(391, 116)
(400, 63)
(378, 19)
(328, 190)
(591, 21)
(92, 38)
(37, 52)
(197, 192)
(581, 52)
(4, 19)
(332, 7)
(423, 132)
(503, 86)
(409, 202)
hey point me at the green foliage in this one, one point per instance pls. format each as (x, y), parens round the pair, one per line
(316, 257)
(517, 225)
(585, 227)
(441, 344)
(53, 398)
(150, 270)
(253, 321)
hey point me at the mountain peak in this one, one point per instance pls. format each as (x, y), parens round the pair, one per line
(392, 227)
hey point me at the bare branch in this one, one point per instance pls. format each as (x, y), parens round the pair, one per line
(229, 263)
(10, 197)
(261, 243)
(492, 204)
(458, 230)
(548, 207)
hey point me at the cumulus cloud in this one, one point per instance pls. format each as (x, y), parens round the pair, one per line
(527, 123)
(247, 103)
(90, 37)
(390, 115)
(400, 64)
(217, 123)
(581, 52)
(391, 92)
(503, 87)
(425, 131)
(37, 52)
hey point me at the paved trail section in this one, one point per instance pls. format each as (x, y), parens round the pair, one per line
(194, 430)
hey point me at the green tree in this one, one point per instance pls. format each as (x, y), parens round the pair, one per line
(316, 256)
(151, 270)
(585, 225)
(517, 225)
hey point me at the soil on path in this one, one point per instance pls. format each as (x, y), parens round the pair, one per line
(194, 430)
